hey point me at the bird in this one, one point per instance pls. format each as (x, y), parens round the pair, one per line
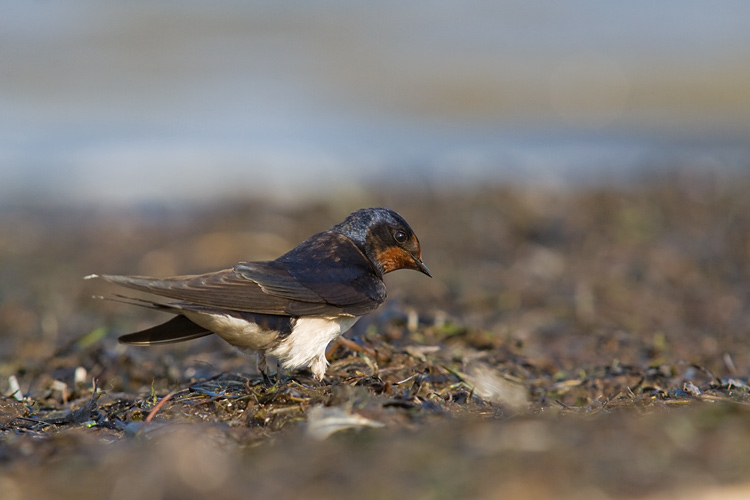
(291, 307)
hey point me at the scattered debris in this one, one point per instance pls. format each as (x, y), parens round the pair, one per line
(14, 388)
(322, 421)
(552, 320)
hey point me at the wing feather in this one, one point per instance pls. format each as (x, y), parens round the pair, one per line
(222, 290)
(325, 275)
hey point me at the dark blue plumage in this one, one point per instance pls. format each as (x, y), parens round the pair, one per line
(291, 307)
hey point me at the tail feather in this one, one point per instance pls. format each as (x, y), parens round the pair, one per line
(173, 308)
(177, 329)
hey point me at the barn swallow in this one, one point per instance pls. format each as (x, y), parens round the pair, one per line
(291, 307)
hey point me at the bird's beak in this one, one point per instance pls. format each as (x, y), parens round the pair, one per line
(421, 267)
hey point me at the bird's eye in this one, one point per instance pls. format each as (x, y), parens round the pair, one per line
(399, 236)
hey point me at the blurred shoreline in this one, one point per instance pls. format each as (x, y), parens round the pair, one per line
(204, 181)
(135, 103)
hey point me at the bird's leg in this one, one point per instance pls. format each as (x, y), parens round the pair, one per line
(279, 372)
(263, 368)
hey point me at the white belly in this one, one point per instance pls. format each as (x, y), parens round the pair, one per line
(306, 346)
(237, 331)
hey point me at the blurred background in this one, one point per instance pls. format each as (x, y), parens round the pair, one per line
(151, 102)
(577, 173)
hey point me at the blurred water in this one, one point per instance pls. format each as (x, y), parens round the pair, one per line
(134, 101)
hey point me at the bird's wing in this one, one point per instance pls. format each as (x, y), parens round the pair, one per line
(305, 285)
(331, 265)
(229, 290)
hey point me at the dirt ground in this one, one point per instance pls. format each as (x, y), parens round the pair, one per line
(590, 343)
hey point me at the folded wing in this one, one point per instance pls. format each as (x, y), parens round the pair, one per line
(331, 284)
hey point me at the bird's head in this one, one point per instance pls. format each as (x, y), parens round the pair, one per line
(386, 239)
